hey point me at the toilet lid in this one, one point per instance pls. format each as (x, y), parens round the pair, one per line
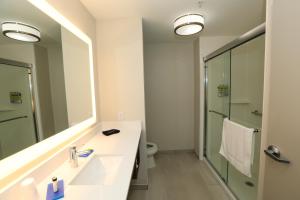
(151, 148)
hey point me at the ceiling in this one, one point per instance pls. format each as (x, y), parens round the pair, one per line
(222, 17)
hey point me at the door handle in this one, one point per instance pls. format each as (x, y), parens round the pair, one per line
(275, 154)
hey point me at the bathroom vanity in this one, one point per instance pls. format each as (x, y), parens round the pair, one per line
(105, 174)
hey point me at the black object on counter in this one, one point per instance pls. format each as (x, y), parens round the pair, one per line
(111, 132)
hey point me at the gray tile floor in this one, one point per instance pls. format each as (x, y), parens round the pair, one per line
(180, 176)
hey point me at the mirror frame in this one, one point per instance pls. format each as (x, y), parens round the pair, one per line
(27, 157)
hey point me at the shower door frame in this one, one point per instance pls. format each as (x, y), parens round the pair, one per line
(206, 110)
(250, 35)
(33, 105)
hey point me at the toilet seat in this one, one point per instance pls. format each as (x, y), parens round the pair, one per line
(151, 148)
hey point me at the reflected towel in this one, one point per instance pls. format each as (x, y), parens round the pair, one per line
(237, 146)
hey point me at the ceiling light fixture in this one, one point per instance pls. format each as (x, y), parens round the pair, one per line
(21, 32)
(188, 24)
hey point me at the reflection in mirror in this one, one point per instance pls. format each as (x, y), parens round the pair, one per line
(77, 77)
(44, 85)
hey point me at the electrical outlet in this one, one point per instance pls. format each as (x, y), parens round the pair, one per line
(120, 116)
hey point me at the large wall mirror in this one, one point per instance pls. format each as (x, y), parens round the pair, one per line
(46, 83)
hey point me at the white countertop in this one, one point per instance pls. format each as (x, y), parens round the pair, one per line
(124, 143)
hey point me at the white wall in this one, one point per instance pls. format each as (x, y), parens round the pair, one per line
(80, 17)
(169, 87)
(18, 52)
(207, 46)
(57, 85)
(44, 91)
(196, 95)
(77, 77)
(121, 75)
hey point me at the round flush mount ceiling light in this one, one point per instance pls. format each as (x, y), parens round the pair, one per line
(188, 24)
(21, 32)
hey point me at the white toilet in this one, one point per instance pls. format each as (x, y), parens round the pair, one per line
(151, 150)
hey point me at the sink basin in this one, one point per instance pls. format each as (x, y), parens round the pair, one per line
(100, 170)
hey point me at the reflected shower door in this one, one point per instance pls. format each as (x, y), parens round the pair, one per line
(17, 126)
(217, 107)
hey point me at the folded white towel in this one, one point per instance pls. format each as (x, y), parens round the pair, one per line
(237, 146)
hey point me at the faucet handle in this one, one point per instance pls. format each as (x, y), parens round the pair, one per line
(73, 156)
(73, 148)
(72, 151)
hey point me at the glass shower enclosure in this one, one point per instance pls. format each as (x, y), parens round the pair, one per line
(234, 89)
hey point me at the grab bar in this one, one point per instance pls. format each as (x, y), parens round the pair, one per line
(218, 113)
(11, 119)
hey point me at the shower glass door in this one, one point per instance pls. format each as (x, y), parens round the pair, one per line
(217, 107)
(247, 77)
(234, 89)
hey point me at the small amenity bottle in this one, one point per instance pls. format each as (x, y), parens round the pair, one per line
(55, 184)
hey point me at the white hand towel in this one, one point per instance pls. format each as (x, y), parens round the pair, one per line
(237, 146)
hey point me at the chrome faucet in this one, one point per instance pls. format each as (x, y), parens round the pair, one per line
(73, 158)
(73, 155)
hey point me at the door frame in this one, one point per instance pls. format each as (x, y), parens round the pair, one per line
(34, 106)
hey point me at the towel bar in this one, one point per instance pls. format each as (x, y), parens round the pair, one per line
(256, 130)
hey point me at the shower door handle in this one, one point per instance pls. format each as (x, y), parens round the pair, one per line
(275, 154)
